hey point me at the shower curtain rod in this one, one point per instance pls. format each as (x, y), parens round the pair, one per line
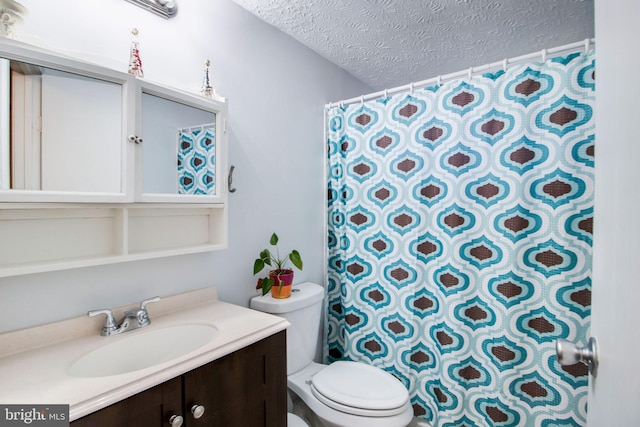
(544, 53)
(190, 128)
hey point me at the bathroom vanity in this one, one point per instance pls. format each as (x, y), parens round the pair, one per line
(235, 376)
(245, 388)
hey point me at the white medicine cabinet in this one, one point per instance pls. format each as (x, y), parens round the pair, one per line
(97, 166)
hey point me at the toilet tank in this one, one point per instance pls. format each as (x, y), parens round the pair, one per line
(303, 310)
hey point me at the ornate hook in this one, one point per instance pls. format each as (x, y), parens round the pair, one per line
(230, 180)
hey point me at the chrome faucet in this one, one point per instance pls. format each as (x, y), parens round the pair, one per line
(132, 319)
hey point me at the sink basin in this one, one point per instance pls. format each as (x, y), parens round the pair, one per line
(142, 349)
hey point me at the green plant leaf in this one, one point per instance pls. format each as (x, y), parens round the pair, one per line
(267, 284)
(258, 265)
(295, 258)
(274, 239)
(265, 256)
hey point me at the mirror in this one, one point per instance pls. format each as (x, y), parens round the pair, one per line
(61, 131)
(178, 149)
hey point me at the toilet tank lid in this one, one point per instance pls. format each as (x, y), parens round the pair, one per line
(302, 295)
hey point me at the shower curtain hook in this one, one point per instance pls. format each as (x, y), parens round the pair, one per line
(386, 93)
(470, 72)
(361, 100)
(439, 81)
(544, 55)
(341, 104)
(411, 88)
(586, 45)
(504, 64)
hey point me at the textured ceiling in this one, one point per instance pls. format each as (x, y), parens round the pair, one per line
(387, 43)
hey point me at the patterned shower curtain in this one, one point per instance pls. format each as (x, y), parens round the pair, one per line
(460, 241)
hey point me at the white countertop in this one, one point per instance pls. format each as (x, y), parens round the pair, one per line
(33, 373)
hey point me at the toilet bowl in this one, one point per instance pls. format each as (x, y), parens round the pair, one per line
(295, 421)
(353, 395)
(344, 393)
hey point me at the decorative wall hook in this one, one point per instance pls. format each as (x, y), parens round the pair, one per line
(230, 180)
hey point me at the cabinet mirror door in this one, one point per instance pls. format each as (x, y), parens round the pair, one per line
(61, 135)
(180, 148)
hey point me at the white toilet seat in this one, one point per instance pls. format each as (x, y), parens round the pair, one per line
(359, 389)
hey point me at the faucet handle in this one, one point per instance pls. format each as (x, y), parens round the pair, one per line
(141, 314)
(109, 322)
(143, 304)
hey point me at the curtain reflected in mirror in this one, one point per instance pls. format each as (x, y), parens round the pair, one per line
(178, 149)
(196, 160)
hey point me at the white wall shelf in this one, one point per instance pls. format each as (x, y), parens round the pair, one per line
(73, 236)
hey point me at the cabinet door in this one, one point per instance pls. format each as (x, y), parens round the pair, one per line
(183, 154)
(247, 388)
(74, 132)
(63, 128)
(151, 408)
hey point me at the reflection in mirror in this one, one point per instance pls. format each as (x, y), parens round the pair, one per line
(62, 132)
(178, 149)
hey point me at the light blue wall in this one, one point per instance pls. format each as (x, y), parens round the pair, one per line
(276, 88)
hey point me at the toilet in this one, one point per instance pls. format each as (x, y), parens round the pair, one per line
(295, 421)
(344, 393)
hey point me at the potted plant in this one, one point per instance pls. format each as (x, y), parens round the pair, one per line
(279, 278)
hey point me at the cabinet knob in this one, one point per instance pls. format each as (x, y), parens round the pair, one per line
(197, 411)
(176, 421)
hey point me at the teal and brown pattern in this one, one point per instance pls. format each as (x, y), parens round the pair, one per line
(196, 160)
(459, 242)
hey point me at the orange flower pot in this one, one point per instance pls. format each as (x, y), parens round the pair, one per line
(283, 282)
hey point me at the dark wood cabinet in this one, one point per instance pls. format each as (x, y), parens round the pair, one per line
(247, 388)
(151, 408)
